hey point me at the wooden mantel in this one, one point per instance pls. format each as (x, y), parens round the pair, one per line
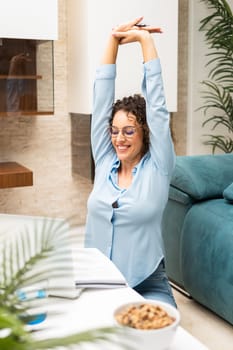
(13, 174)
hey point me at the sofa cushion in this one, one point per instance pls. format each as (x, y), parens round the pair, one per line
(203, 177)
(228, 193)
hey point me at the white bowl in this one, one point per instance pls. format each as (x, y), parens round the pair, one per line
(146, 339)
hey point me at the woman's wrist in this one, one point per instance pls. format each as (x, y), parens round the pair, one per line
(148, 47)
(111, 50)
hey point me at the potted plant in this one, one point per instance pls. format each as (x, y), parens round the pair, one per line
(27, 259)
(218, 30)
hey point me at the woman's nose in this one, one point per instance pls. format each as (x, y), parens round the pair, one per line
(120, 135)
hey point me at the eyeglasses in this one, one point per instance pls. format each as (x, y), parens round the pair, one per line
(127, 131)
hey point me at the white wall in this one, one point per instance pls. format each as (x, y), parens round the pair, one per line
(197, 73)
(90, 24)
(29, 19)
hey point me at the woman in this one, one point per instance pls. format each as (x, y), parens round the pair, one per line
(134, 159)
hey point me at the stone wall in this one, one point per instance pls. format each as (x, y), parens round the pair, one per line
(43, 144)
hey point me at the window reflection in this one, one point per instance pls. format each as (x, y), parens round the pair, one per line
(16, 85)
(26, 77)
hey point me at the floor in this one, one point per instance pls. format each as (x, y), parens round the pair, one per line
(207, 327)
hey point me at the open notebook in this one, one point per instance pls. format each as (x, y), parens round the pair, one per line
(92, 269)
(89, 269)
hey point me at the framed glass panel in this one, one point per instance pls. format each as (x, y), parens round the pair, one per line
(26, 77)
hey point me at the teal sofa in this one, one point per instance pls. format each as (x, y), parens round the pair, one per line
(197, 230)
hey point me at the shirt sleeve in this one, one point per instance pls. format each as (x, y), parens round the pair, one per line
(158, 117)
(103, 98)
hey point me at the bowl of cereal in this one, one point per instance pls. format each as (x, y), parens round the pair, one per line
(151, 324)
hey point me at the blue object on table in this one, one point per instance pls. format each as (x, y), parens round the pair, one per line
(31, 295)
(38, 294)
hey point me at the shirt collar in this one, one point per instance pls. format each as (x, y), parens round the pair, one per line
(117, 164)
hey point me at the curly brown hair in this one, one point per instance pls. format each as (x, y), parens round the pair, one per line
(136, 105)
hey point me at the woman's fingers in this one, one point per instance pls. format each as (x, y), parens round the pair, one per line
(128, 25)
(130, 36)
(133, 30)
(136, 21)
(151, 29)
(127, 36)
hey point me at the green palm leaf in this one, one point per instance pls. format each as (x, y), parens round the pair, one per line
(221, 142)
(218, 29)
(27, 259)
(218, 98)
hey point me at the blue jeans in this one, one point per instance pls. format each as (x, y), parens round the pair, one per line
(157, 286)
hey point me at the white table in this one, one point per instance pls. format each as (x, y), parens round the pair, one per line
(94, 309)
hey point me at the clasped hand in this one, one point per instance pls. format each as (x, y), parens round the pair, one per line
(132, 31)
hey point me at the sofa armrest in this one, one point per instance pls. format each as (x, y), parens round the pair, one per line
(179, 196)
(203, 176)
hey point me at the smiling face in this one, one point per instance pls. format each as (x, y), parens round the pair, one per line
(129, 149)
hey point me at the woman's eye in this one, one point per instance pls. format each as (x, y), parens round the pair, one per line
(129, 131)
(114, 131)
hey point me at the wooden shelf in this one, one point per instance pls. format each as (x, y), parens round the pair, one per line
(13, 174)
(25, 113)
(34, 77)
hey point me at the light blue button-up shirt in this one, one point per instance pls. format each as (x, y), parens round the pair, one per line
(129, 232)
